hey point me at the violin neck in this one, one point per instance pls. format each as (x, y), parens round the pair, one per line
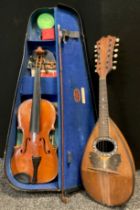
(35, 111)
(103, 109)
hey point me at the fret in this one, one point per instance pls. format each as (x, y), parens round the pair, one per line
(103, 109)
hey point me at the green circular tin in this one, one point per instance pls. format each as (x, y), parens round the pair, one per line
(45, 21)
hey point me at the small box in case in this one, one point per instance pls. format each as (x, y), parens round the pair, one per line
(47, 34)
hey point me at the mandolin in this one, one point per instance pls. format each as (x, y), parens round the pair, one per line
(35, 159)
(107, 169)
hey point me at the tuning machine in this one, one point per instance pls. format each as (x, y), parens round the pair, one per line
(115, 50)
(117, 39)
(115, 55)
(114, 62)
(114, 67)
(117, 42)
(95, 55)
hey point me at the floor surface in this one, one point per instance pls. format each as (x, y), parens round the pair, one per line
(11, 199)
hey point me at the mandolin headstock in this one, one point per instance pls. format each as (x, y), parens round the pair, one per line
(105, 50)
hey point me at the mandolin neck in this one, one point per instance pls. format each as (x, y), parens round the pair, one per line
(35, 111)
(103, 109)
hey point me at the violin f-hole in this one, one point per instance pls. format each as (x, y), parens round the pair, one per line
(46, 150)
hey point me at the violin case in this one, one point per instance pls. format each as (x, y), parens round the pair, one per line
(72, 92)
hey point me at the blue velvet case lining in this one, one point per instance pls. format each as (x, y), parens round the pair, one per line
(78, 116)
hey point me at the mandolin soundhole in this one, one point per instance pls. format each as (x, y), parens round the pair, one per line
(105, 146)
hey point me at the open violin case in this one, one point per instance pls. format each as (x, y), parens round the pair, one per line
(69, 89)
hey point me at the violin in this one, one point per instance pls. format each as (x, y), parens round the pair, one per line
(35, 160)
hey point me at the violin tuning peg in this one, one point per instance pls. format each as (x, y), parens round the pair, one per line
(95, 50)
(117, 39)
(116, 45)
(95, 46)
(95, 55)
(96, 60)
(116, 50)
(115, 55)
(96, 70)
(114, 61)
(114, 67)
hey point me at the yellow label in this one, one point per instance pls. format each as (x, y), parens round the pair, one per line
(83, 95)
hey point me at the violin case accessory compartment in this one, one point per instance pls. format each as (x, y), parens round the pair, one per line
(65, 84)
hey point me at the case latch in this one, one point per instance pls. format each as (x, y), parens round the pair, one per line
(69, 157)
(66, 34)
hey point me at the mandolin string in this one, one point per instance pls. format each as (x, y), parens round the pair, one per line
(107, 176)
(104, 108)
(101, 179)
(104, 123)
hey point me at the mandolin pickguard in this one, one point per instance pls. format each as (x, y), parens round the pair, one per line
(105, 163)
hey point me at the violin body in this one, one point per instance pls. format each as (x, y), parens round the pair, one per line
(108, 179)
(35, 160)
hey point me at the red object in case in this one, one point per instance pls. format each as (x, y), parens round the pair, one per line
(47, 34)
